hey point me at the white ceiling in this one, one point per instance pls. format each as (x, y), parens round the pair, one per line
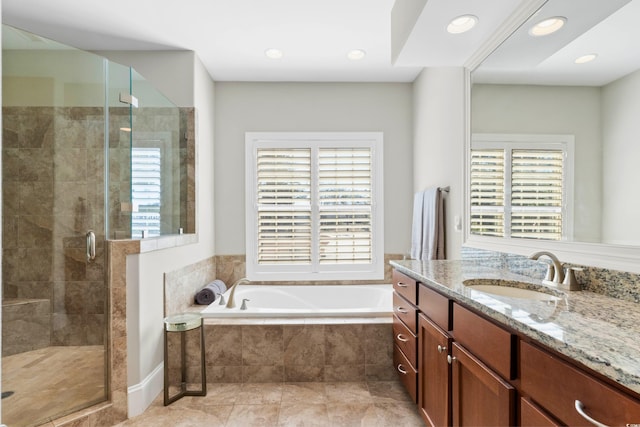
(230, 36)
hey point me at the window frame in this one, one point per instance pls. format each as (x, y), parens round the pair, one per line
(314, 271)
(511, 142)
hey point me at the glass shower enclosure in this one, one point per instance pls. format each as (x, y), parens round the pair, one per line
(81, 163)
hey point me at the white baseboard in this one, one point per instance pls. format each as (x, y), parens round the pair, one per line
(140, 396)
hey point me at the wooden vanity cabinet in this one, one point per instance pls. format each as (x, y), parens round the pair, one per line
(461, 368)
(531, 415)
(555, 385)
(482, 360)
(434, 377)
(405, 297)
(479, 396)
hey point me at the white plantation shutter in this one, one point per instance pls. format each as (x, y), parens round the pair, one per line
(284, 205)
(536, 194)
(344, 193)
(521, 185)
(146, 163)
(314, 206)
(487, 192)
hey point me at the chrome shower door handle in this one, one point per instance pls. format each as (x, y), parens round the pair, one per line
(91, 245)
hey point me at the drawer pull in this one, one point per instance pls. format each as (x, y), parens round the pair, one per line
(401, 369)
(441, 348)
(450, 359)
(583, 414)
(402, 285)
(401, 337)
(402, 310)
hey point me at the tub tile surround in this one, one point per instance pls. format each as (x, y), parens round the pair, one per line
(594, 329)
(288, 353)
(230, 268)
(181, 286)
(277, 350)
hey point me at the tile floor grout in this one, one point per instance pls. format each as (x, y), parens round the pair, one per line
(374, 403)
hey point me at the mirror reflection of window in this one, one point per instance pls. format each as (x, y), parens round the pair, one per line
(521, 186)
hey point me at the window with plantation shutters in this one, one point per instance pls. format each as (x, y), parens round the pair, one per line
(314, 206)
(146, 182)
(521, 186)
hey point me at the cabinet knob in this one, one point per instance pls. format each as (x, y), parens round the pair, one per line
(441, 348)
(450, 359)
(401, 310)
(401, 369)
(401, 337)
(402, 285)
(580, 409)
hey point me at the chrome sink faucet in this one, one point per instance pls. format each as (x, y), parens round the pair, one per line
(232, 291)
(556, 274)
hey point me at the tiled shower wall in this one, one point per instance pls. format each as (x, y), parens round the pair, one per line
(52, 194)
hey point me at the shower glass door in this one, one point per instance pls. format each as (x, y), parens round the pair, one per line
(54, 293)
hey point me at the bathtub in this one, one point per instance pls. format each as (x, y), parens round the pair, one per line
(307, 301)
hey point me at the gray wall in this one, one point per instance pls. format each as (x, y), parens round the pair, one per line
(439, 135)
(244, 107)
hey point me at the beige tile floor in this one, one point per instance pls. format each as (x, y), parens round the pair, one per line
(374, 403)
(50, 382)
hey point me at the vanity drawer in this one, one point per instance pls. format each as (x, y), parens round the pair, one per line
(405, 286)
(405, 340)
(487, 341)
(556, 385)
(408, 375)
(405, 312)
(436, 306)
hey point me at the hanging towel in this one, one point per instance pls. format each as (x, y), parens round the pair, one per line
(209, 293)
(427, 234)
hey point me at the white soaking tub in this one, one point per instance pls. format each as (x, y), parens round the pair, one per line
(307, 301)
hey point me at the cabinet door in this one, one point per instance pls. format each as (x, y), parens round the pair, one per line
(479, 396)
(434, 376)
(533, 416)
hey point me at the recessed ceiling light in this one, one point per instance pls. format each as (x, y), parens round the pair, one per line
(273, 53)
(586, 58)
(356, 54)
(548, 26)
(462, 24)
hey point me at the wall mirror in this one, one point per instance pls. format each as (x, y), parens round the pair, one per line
(580, 83)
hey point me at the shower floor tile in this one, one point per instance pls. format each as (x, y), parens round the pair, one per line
(51, 382)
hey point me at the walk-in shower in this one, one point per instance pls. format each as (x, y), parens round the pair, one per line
(90, 152)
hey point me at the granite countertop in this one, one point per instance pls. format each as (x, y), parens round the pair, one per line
(600, 332)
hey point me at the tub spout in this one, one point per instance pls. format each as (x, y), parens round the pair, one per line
(231, 303)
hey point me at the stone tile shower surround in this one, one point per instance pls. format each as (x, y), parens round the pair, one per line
(615, 284)
(48, 154)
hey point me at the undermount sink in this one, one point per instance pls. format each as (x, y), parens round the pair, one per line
(512, 289)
